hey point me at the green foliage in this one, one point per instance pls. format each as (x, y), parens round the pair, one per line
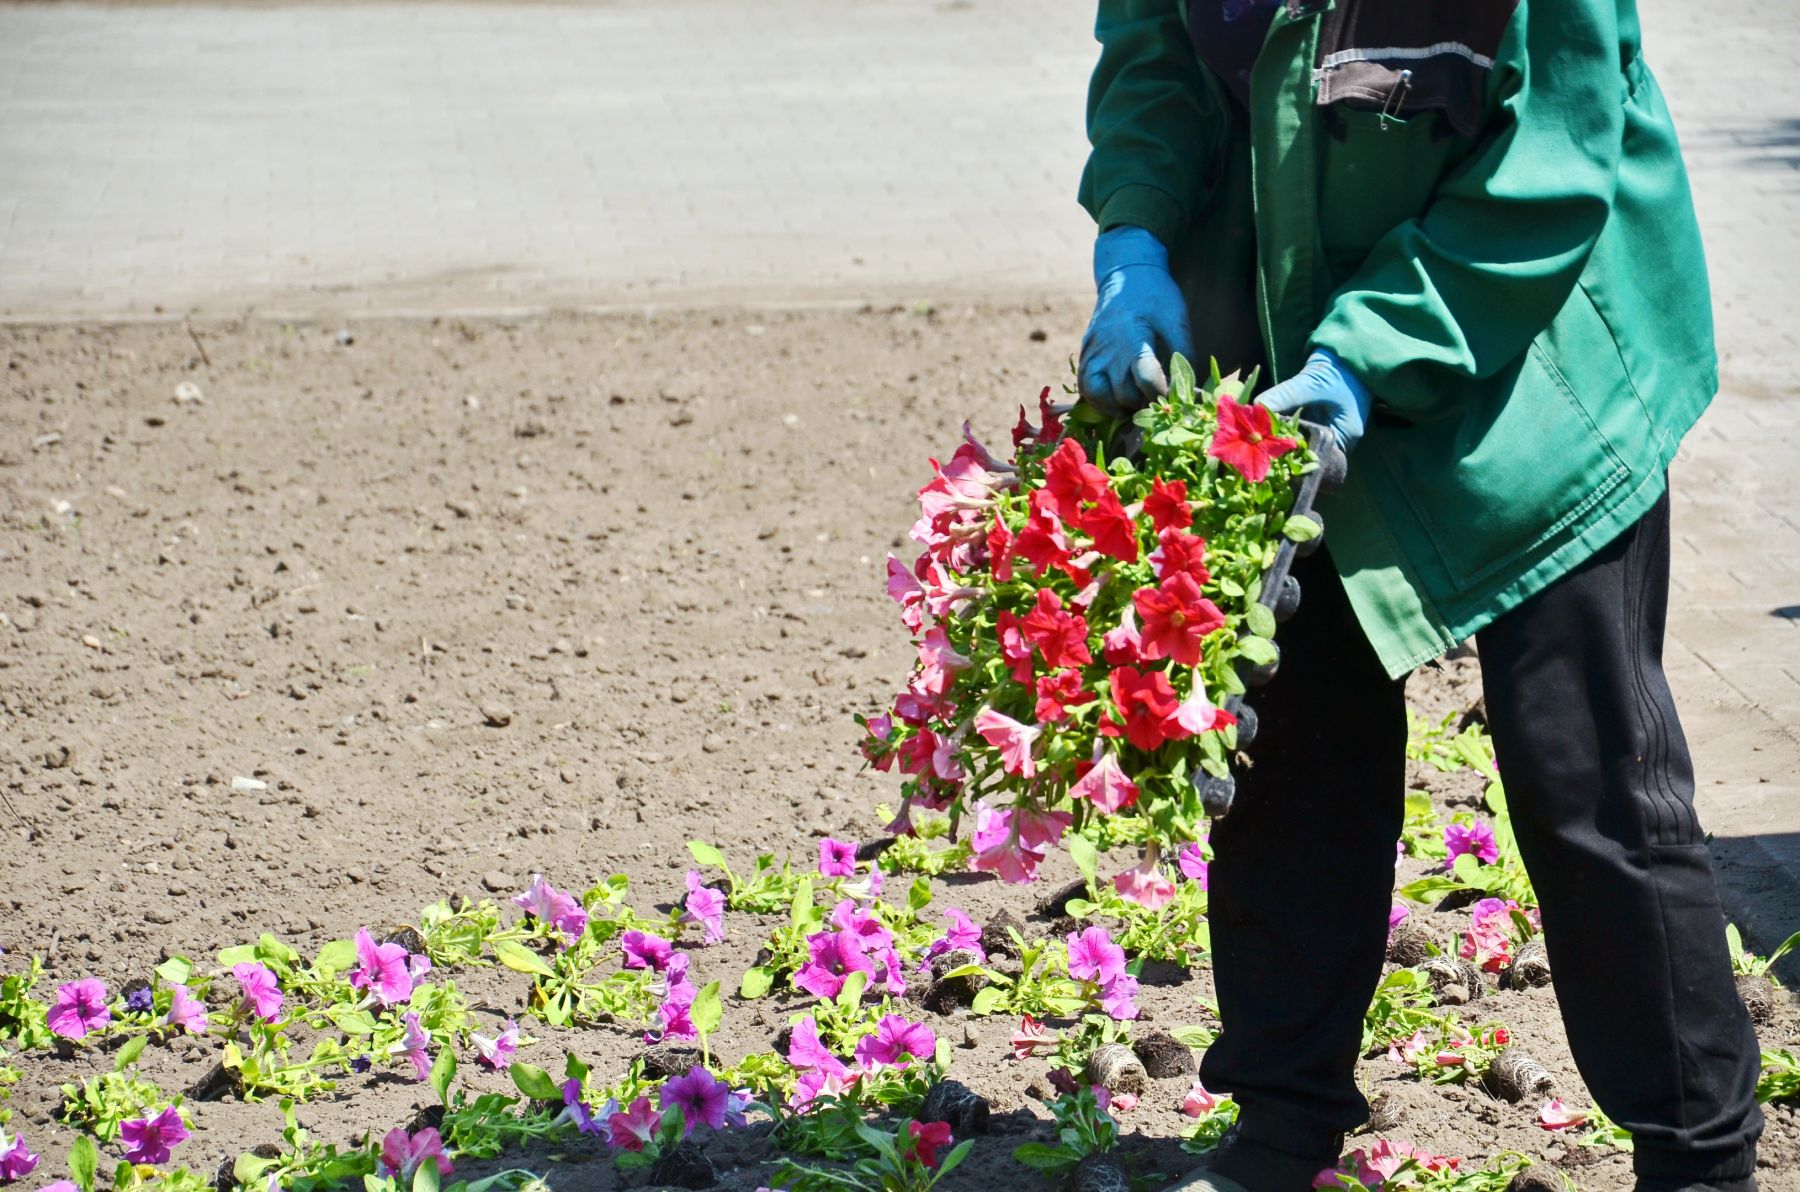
(912, 854)
(1209, 1130)
(101, 1102)
(764, 891)
(21, 1015)
(302, 1165)
(1505, 878)
(1603, 1131)
(1082, 1129)
(1177, 931)
(887, 1163)
(1780, 1078)
(1043, 988)
(1748, 964)
(1401, 1005)
(1447, 750)
(1422, 834)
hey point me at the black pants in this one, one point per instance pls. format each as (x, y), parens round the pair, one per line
(1600, 789)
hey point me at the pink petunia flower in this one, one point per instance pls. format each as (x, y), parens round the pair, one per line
(16, 1159)
(382, 970)
(629, 1129)
(1199, 1102)
(705, 906)
(1554, 1115)
(1405, 1051)
(1476, 839)
(702, 1098)
(1118, 997)
(1031, 1038)
(1000, 847)
(403, 1154)
(185, 1011)
(1094, 957)
(413, 1046)
(262, 992)
(894, 1042)
(80, 1007)
(1146, 885)
(498, 1052)
(555, 908)
(962, 935)
(837, 858)
(148, 1139)
(1105, 785)
(1013, 739)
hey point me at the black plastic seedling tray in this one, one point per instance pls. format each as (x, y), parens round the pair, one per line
(1281, 595)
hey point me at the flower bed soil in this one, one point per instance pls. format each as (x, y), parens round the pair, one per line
(482, 600)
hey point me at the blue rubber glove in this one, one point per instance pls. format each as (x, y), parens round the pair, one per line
(1139, 320)
(1333, 394)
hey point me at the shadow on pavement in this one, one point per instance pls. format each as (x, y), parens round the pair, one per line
(1759, 882)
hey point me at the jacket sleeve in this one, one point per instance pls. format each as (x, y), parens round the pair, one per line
(1462, 291)
(1152, 119)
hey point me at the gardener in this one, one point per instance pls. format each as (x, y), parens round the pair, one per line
(1459, 232)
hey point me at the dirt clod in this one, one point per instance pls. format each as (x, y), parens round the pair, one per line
(954, 1102)
(995, 940)
(1516, 1076)
(1456, 981)
(1116, 1067)
(1758, 994)
(1409, 944)
(1165, 1057)
(1530, 968)
(687, 1166)
(1099, 1173)
(496, 715)
(667, 1059)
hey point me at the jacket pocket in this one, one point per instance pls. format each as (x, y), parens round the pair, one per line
(1503, 481)
(1379, 170)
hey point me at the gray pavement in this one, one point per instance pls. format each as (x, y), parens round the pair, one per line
(387, 158)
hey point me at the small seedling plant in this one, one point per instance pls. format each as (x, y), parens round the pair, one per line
(1083, 1128)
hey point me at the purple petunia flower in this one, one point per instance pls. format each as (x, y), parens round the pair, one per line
(262, 993)
(413, 1046)
(705, 906)
(497, 1052)
(1192, 860)
(834, 956)
(701, 1097)
(962, 935)
(361, 1064)
(837, 858)
(148, 1139)
(16, 1159)
(80, 1007)
(402, 1154)
(557, 908)
(643, 950)
(140, 1000)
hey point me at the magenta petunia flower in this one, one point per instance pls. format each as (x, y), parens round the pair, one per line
(185, 1011)
(705, 906)
(382, 970)
(1192, 860)
(413, 1046)
(834, 956)
(1397, 914)
(837, 858)
(807, 1052)
(402, 1154)
(262, 992)
(1094, 957)
(16, 1159)
(630, 1128)
(643, 950)
(1117, 997)
(498, 1052)
(894, 1042)
(961, 935)
(576, 1110)
(148, 1139)
(80, 1007)
(1199, 1101)
(701, 1097)
(1105, 785)
(1554, 1115)
(1476, 839)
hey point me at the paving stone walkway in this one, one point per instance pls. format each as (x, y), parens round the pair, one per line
(385, 158)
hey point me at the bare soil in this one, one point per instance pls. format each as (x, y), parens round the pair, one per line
(478, 600)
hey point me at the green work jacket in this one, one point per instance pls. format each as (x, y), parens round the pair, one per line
(1480, 206)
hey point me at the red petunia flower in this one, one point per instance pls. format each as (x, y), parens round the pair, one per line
(1000, 545)
(1073, 482)
(1179, 552)
(927, 1139)
(1245, 440)
(1013, 646)
(1059, 635)
(1176, 618)
(1149, 705)
(1111, 528)
(1059, 692)
(1168, 505)
(1042, 542)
